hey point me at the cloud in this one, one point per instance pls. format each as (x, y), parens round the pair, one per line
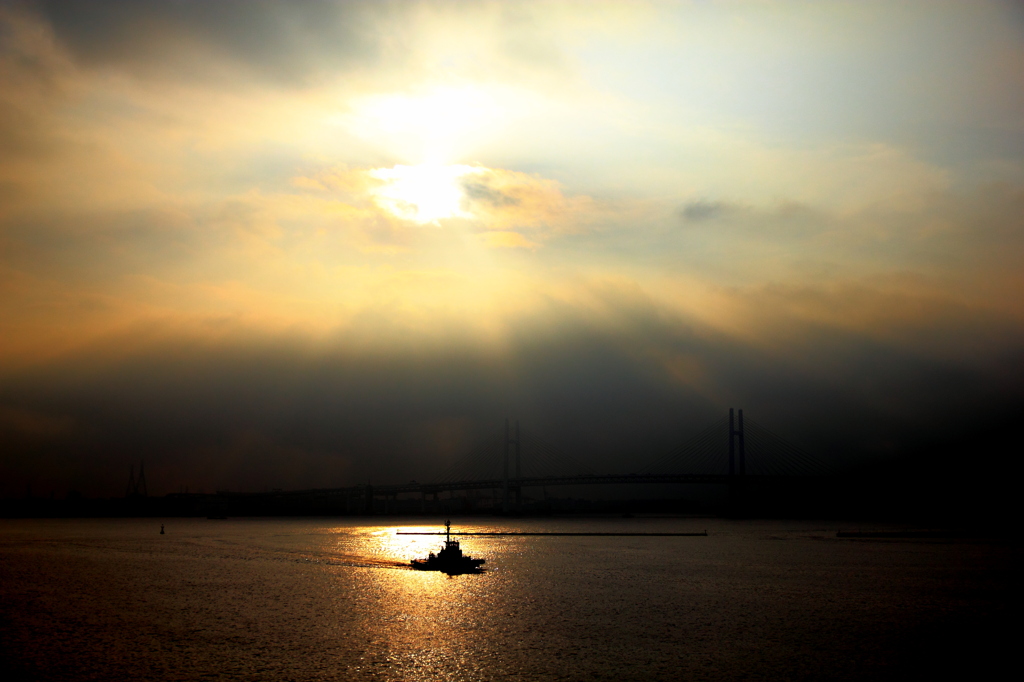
(196, 262)
(481, 192)
(604, 369)
(29, 424)
(492, 199)
(287, 43)
(703, 210)
(301, 44)
(505, 200)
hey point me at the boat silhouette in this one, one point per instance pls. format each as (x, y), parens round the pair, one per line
(450, 558)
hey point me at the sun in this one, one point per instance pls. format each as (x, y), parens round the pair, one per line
(423, 194)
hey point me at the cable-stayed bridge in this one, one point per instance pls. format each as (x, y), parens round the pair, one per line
(732, 451)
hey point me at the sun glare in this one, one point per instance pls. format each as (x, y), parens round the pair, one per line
(436, 125)
(423, 194)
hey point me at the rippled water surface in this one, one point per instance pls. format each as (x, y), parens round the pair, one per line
(327, 599)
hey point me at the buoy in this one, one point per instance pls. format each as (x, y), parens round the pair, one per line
(161, 529)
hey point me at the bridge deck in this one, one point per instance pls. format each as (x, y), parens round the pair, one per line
(516, 484)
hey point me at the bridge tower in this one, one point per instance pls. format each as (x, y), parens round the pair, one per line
(736, 482)
(734, 436)
(137, 486)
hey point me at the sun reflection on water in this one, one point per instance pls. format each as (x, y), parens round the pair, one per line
(387, 542)
(427, 621)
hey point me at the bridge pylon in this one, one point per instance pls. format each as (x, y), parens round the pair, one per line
(137, 486)
(737, 435)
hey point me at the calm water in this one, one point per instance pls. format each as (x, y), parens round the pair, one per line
(323, 599)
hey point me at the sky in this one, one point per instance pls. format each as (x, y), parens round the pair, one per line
(262, 244)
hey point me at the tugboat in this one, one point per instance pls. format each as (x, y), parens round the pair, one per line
(450, 559)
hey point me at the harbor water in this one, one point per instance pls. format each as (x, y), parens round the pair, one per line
(329, 599)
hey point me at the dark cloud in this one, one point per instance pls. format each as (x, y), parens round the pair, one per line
(287, 42)
(245, 414)
(702, 210)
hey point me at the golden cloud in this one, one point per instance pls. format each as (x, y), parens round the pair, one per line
(522, 209)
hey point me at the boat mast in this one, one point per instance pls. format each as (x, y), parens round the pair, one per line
(447, 531)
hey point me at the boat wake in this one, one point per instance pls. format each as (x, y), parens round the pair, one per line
(352, 560)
